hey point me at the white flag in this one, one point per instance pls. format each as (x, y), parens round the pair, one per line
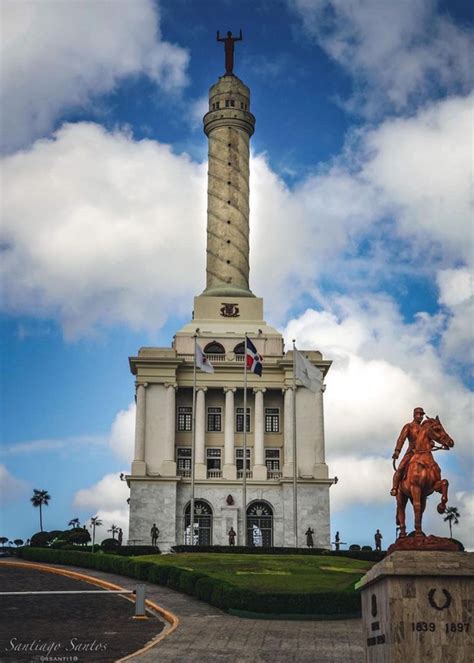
(202, 361)
(310, 376)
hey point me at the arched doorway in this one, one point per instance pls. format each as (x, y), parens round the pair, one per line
(260, 514)
(203, 517)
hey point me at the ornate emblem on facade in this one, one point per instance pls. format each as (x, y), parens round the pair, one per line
(230, 310)
(447, 600)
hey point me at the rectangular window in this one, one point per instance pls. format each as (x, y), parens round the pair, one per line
(218, 103)
(232, 103)
(183, 458)
(214, 419)
(239, 459)
(227, 103)
(185, 418)
(213, 459)
(272, 459)
(239, 420)
(272, 420)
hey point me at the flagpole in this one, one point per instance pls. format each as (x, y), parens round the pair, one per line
(193, 445)
(244, 474)
(295, 460)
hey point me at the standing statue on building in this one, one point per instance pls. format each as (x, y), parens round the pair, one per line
(378, 540)
(309, 537)
(337, 541)
(408, 432)
(231, 534)
(120, 536)
(154, 533)
(229, 50)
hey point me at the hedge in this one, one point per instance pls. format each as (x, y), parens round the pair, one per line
(218, 593)
(364, 555)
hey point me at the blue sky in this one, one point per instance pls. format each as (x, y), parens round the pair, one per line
(360, 182)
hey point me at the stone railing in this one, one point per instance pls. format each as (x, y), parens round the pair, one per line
(274, 474)
(214, 474)
(240, 474)
(216, 359)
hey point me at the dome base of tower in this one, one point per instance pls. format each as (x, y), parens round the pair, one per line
(226, 290)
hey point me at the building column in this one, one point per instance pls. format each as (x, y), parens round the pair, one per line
(320, 470)
(139, 464)
(230, 470)
(259, 471)
(168, 465)
(200, 460)
(288, 408)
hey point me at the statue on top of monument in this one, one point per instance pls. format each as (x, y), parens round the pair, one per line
(229, 50)
(421, 475)
(408, 432)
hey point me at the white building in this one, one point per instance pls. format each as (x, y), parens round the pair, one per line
(160, 479)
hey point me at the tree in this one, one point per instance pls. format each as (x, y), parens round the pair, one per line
(18, 542)
(452, 518)
(95, 522)
(79, 536)
(39, 498)
(114, 530)
(75, 522)
(3, 540)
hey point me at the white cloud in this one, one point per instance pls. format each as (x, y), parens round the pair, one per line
(11, 488)
(108, 222)
(57, 56)
(456, 294)
(47, 445)
(104, 231)
(110, 493)
(360, 481)
(397, 52)
(382, 368)
(122, 433)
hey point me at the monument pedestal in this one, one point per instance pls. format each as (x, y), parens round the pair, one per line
(417, 606)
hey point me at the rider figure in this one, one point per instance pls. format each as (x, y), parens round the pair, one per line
(409, 432)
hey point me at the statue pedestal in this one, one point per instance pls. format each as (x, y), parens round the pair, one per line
(417, 606)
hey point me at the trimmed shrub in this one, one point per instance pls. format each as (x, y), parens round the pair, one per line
(366, 548)
(365, 555)
(212, 590)
(110, 544)
(354, 547)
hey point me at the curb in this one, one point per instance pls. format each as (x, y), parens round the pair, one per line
(169, 617)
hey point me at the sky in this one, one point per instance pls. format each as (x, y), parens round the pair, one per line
(361, 230)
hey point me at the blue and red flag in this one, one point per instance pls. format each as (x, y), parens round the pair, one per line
(253, 359)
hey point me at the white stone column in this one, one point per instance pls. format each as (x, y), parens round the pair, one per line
(168, 465)
(200, 461)
(138, 464)
(320, 470)
(259, 468)
(289, 404)
(230, 471)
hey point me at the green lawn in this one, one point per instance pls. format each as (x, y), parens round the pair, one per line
(272, 573)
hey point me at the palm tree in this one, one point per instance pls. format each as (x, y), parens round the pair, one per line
(114, 529)
(74, 523)
(95, 522)
(39, 498)
(452, 518)
(18, 542)
(3, 540)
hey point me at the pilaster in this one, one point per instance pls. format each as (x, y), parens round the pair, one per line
(230, 471)
(200, 461)
(259, 469)
(139, 464)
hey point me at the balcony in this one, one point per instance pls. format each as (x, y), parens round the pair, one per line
(274, 474)
(214, 474)
(217, 358)
(240, 474)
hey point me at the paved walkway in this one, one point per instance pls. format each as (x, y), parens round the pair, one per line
(208, 635)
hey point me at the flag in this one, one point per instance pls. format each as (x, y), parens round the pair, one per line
(310, 376)
(202, 361)
(253, 359)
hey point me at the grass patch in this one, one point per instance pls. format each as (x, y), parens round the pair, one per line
(271, 573)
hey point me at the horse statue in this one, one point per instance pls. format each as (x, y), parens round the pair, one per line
(423, 475)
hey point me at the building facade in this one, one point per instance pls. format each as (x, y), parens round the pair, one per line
(277, 409)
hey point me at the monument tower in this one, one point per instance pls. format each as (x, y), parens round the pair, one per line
(165, 473)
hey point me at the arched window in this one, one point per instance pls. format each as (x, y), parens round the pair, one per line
(239, 349)
(260, 514)
(203, 519)
(214, 348)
